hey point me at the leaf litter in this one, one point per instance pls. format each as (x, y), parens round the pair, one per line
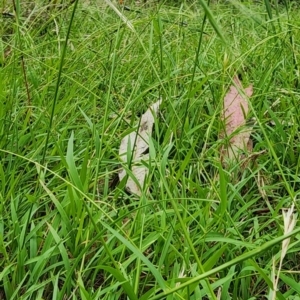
(134, 146)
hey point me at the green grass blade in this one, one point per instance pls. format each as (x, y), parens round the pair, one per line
(212, 20)
(59, 74)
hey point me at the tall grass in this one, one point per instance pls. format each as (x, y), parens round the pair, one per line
(74, 81)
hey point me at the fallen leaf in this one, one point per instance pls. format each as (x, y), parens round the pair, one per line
(234, 114)
(134, 147)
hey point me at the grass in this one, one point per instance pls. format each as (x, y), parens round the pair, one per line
(73, 86)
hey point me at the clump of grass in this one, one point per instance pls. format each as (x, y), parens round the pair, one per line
(67, 227)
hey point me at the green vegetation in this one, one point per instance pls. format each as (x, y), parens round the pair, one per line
(68, 229)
